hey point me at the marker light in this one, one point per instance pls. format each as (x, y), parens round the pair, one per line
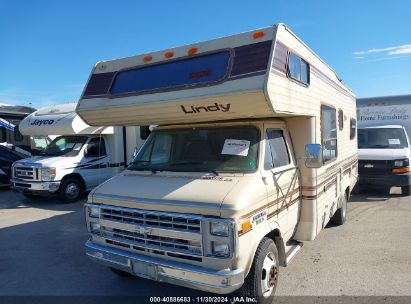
(246, 225)
(257, 35)
(147, 58)
(192, 51)
(168, 54)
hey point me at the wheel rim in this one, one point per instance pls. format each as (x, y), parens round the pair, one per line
(269, 275)
(72, 191)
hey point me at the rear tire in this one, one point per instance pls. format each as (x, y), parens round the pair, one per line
(406, 190)
(71, 190)
(340, 215)
(262, 279)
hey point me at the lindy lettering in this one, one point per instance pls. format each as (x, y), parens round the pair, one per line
(204, 109)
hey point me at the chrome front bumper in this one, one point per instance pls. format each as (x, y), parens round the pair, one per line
(221, 282)
(34, 186)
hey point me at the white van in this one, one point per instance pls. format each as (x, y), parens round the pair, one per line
(384, 125)
(255, 152)
(75, 162)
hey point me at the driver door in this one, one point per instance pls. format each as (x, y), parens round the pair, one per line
(282, 178)
(96, 163)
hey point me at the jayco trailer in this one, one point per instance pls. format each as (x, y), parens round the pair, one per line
(77, 160)
(255, 151)
(384, 127)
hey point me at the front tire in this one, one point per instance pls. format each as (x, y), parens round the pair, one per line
(406, 190)
(262, 279)
(71, 190)
(340, 215)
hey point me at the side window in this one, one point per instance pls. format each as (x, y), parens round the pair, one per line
(329, 132)
(353, 127)
(298, 69)
(3, 134)
(17, 135)
(340, 119)
(96, 147)
(277, 149)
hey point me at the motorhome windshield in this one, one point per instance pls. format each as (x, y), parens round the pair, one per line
(213, 149)
(65, 146)
(382, 138)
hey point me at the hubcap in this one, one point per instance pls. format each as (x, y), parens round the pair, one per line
(72, 190)
(269, 275)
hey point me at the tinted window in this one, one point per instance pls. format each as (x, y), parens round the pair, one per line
(304, 71)
(340, 119)
(3, 136)
(96, 147)
(381, 138)
(329, 132)
(298, 69)
(295, 67)
(17, 135)
(353, 126)
(278, 148)
(182, 73)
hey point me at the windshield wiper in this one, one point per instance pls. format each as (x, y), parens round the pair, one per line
(139, 161)
(154, 171)
(186, 163)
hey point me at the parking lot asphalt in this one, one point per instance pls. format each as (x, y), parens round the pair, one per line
(42, 253)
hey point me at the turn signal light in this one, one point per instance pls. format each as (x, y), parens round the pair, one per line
(192, 51)
(168, 54)
(257, 35)
(401, 170)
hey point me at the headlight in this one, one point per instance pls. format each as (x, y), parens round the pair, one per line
(401, 163)
(220, 249)
(94, 211)
(94, 228)
(48, 174)
(219, 229)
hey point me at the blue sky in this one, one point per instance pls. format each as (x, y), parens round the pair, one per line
(48, 47)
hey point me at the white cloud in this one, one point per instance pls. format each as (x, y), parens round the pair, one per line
(404, 49)
(390, 51)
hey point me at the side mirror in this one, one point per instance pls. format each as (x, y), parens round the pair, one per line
(144, 132)
(314, 156)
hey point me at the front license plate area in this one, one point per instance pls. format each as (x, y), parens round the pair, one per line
(145, 270)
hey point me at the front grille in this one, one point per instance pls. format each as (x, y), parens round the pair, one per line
(155, 219)
(26, 173)
(158, 233)
(375, 166)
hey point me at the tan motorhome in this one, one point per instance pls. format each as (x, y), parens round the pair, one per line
(254, 152)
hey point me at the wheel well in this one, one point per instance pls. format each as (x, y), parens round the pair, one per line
(275, 235)
(77, 177)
